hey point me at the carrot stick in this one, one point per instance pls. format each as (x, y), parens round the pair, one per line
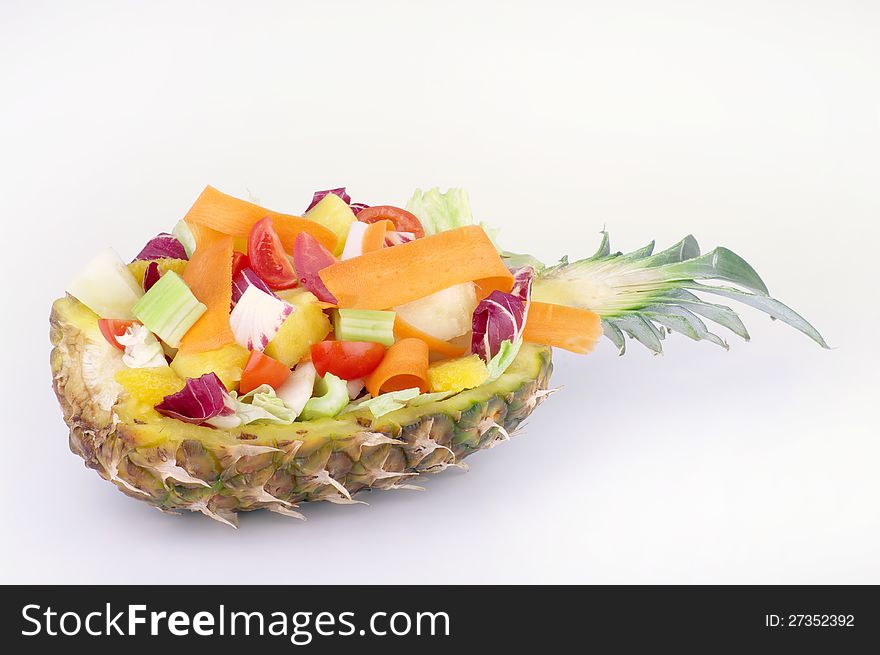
(235, 217)
(404, 330)
(569, 328)
(209, 276)
(374, 236)
(393, 276)
(404, 366)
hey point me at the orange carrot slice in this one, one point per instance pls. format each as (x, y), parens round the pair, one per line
(404, 330)
(569, 328)
(209, 276)
(235, 217)
(374, 236)
(404, 366)
(393, 276)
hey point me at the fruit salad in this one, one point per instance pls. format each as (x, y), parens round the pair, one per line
(242, 315)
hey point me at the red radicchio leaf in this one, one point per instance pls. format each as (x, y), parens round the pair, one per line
(200, 399)
(247, 278)
(522, 282)
(161, 246)
(397, 238)
(499, 317)
(151, 275)
(309, 258)
(319, 196)
(340, 191)
(502, 316)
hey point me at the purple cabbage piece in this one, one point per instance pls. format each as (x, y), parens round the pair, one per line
(247, 278)
(200, 399)
(498, 317)
(502, 316)
(319, 196)
(356, 207)
(151, 275)
(522, 282)
(398, 238)
(162, 246)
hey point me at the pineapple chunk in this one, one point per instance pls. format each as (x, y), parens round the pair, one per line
(333, 213)
(307, 325)
(139, 267)
(444, 315)
(149, 386)
(457, 374)
(227, 362)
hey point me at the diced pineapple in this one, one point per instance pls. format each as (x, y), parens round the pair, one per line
(149, 386)
(333, 213)
(139, 267)
(457, 374)
(305, 326)
(445, 314)
(227, 362)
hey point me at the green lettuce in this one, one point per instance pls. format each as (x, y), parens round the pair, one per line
(507, 352)
(387, 402)
(263, 405)
(439, 212)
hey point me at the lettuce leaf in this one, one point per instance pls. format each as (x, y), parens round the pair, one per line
(264, 405)
(439, 212)
(507, 352)
(385, 403)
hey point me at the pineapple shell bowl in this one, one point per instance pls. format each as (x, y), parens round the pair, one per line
(176, 466)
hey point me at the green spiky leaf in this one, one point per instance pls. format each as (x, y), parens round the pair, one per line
(643, 294)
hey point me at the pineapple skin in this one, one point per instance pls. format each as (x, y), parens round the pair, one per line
(176, 467)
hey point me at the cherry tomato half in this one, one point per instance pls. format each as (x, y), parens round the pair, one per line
(239, 262)
(112, 328)
(403, 220)
(262, 369)
(348, 360)
(268, 258)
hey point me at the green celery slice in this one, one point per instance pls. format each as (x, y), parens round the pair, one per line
(364, 325)
(169, 309)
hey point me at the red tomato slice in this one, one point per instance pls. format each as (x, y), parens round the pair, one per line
(262, 369)
(403, 220)
(112, 328)
(309, 258)
(239, 262)
(267, 256)
(348, 360)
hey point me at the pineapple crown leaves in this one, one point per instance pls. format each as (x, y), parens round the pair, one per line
(644, 295)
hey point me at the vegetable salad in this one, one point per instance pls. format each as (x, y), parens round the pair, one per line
(269, 317)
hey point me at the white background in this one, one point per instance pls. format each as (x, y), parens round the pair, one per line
(751, 124)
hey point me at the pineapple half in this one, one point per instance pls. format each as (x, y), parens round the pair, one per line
(177, 466)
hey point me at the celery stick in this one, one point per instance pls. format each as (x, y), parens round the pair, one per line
(169, 309)
(364, 325)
